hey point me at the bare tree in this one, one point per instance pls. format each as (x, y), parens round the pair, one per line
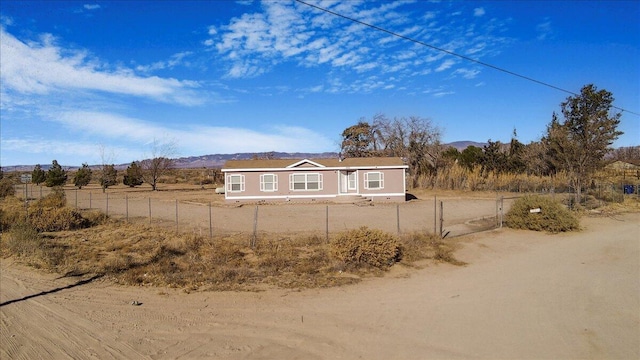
(160, 162)
(414, 139)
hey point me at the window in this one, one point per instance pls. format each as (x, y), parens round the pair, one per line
(235, 183)
(352, 181)
(269, 182)
(303, 182)
(373, 180)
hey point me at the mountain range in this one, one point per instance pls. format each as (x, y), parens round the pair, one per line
(218, 160)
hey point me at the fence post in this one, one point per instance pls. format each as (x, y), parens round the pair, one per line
(441, 217)
(126, 206)
(398, 217)
(435, 214)
(177, 215)
(90, 200)
(255, 228)
(76, 199)
(210, 222)
(327, 224)
(149, 210)
(107, 206)
(501, 210)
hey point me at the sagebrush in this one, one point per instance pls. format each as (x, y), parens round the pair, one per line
(365, 246)
(552, 216)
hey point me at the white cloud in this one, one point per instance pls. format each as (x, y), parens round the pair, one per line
(478, 12)
(544, 29)
(91, 6)
(43, 67)
(192, 140)
(278, 32)
(467, 73)
(174, 60)
(447, 64)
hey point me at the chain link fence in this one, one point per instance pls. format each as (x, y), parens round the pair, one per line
(208, 216)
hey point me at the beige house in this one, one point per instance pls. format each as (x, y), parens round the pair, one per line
(376, 179)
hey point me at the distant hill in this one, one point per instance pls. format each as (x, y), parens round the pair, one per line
(461, 145)
(218, 160)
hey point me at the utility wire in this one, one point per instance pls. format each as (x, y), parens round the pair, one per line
(451, 53)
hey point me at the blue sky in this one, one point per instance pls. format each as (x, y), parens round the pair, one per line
(102, 80)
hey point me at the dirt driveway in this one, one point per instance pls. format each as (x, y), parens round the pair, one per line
(524, 295)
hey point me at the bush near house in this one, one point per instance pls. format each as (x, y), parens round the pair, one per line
(366, 246)
(553, 216)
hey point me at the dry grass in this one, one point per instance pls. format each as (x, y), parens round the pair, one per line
(145, 255)
(457, 177)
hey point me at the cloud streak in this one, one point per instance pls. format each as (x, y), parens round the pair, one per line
(42, 68)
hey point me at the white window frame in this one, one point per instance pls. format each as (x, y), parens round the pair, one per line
(292, 182)
(352, 180)
(368, 180)
(273, 182)
(230, 182)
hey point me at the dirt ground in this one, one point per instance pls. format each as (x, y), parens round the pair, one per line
(523, 295)
(200, 210)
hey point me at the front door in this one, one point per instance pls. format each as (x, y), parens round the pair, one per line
(348, 182)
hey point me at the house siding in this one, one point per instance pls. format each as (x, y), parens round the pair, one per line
(393, 189)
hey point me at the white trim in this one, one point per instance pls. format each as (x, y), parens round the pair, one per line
(274, 183)
(296, 196)
(322, 169)
(380, 180)
(300, 196)
(305, 161)
(229, 184)
(306, 181)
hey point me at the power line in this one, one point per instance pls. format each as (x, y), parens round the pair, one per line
(452, 53)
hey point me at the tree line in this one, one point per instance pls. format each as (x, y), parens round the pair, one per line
(138, 172)
(576, 142)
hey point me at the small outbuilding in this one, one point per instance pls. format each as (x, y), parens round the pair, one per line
(375, 178)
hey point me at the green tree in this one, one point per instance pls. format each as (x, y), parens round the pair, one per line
(133, 175)
(38, 176)
(470, 157)
(515, 162)
(451, 154)
(579, 143)
(109, 176)
(493, 159)
(56, 176)
(82, 176)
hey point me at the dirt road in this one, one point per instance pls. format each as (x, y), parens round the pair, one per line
(523, 295)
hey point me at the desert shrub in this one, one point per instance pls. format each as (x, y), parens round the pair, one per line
(94, 217)
(366, 246)
(553, 216)
(21, 240)
(421, 245)
(55, 199)
(6, 188)
(11, 212)
(56, 219)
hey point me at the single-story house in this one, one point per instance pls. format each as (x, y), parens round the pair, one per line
(376, 178)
